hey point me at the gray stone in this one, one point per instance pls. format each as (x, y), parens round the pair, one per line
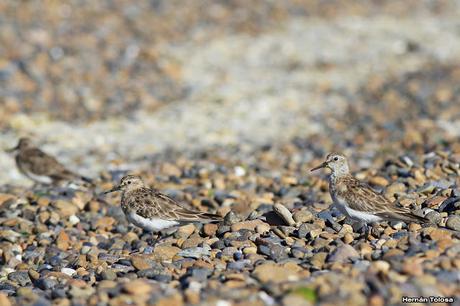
(46, 283)
(343, 253)
(306, 228)
(108, 274)
(302, 216)
(231, 218)
(453, 222)
(451, 204)
(434, 217)
(20, 277)
(196, 252)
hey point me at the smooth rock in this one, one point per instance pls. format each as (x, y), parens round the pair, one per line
(270, 272)
(210, 229)
(109, 274)
(185, 231)
(165, 252)
(248, 225)
(263, 228)
(46, 283)
(140, 263)
(343, 253)
(302, 216)
(453, 222)
(197, 252)
(231, 218)
(4, 301)
(318, 259)
(137, 287)
(20, 277)
(434, 217)
(284, 214)
(63, 241)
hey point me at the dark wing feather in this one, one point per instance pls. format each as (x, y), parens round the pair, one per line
(402, 214)
(362, 197)
(359, 196)
(176, 211)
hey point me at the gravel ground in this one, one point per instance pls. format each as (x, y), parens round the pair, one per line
(78, 247)
(228, 116)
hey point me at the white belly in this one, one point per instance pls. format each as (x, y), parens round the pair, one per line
(356, 214)
(152, 225)
(42, 179)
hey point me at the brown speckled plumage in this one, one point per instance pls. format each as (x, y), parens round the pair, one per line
(359, 196)
(138, 200)
(42, 167)
(150, 203)
(358, 200)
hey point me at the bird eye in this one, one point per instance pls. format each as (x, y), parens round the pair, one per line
(336, 158)
(129, 182)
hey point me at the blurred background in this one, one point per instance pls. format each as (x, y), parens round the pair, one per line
(108, 83)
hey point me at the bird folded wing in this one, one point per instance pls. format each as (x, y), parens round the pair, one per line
(359, 196)
(150, 203)
(362, 197)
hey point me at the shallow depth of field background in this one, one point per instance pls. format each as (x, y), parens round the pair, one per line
(114, 79)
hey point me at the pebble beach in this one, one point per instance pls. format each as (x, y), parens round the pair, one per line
(225, 107)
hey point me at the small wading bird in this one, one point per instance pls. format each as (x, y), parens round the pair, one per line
(357, 200)
(41, 167)
(154, 211)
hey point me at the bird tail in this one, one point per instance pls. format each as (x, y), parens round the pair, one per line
(74, 178)
(83, 179)
(408, 216)
(209, 217)
(87, 180)
(403, 214)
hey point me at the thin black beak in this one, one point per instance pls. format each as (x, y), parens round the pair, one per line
(323, 165)
(116, 188)
(12, 149)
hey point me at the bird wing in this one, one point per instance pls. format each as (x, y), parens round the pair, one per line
(360, 196)
(38, 162)
(150, 203)
(41, 163)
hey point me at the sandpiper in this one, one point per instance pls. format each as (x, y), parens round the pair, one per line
(42, 167)
(357, 200)
(153, 211)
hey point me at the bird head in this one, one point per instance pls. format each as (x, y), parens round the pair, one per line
(23, 143)
(336, 162)
(128, 182)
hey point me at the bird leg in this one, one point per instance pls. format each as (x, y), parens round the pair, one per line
(40, 189)
(365, 229)
(167, 234)
(153, 239)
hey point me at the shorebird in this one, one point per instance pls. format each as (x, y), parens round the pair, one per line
(153, 211)
(357, 200)
(42, 167)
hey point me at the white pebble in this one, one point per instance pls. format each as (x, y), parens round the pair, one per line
(239, 171)
(268, 300)
(74, 219)
(68, 271)
(223, 303)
